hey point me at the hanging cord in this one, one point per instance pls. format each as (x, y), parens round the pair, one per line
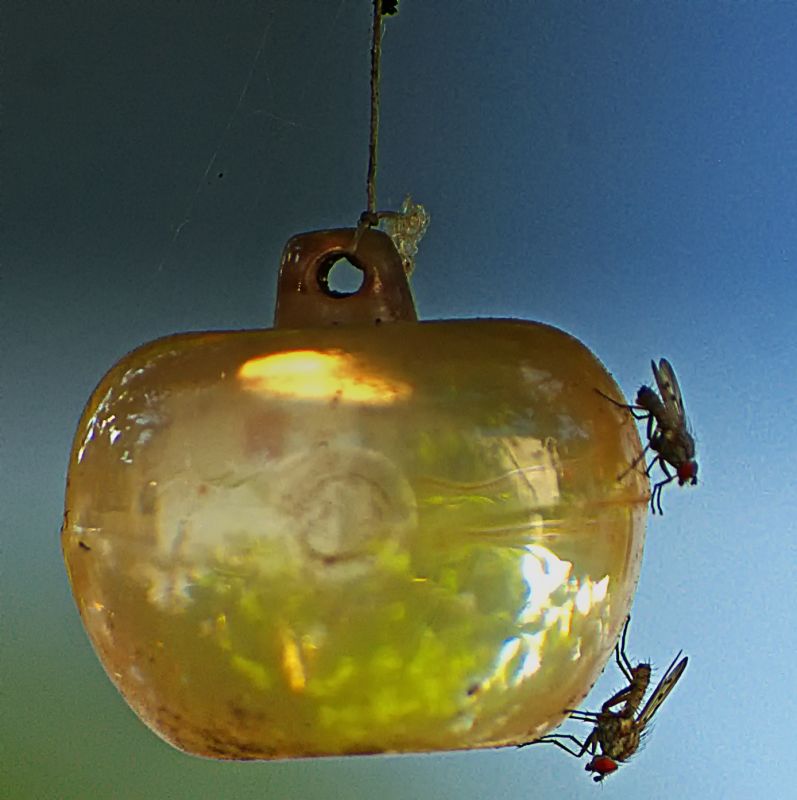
(370, 217)
(376, 57)
(407, 226)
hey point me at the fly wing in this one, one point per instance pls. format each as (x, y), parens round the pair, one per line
(669, 390)
(666, 685)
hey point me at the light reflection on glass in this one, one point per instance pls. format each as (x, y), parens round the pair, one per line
(319, 375)
(555, 598)
(543, 573)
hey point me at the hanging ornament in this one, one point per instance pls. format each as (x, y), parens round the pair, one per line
(354, 532)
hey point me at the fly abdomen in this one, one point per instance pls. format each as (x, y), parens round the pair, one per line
(648, 399)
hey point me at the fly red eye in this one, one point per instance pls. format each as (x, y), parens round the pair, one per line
(603, 765)
(687, 471)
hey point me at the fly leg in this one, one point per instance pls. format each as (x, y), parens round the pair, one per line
(595, 716)
(559, 740)
(620, 654)
(583, 716)
(637, 412)
(654, 440)
(632, 466)
(656, 493)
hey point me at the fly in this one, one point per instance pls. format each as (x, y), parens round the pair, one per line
(619, 726)
(667, 431)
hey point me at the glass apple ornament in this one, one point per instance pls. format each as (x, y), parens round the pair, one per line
(355, 532)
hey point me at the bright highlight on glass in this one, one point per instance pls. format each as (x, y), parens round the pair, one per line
(319, 375)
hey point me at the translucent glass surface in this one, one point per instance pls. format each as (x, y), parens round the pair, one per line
(354, 540)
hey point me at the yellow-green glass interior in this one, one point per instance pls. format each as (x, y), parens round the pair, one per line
(360, 539)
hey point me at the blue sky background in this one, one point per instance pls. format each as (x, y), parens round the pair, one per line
(625, 171)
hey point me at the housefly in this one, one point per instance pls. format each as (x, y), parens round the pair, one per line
(667, 430)
(619, 726)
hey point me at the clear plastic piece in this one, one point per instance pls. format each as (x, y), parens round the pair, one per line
(323, 542)
(406, 227)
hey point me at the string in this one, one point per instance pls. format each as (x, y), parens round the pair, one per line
(407, 226)
(370, 217)
(376, 55)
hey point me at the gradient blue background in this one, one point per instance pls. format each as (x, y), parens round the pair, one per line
(626, 171)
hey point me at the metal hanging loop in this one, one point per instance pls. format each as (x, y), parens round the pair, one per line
(304, 298)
